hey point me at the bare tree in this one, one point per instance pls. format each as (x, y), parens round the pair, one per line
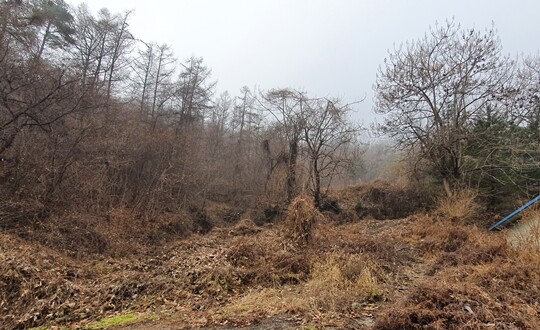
(194, 91)
(286, 107)
(32, 94)
(327, 133)
(245, 120)
(87, 45)
(162, 89)
(527, 105)
(432, 89)
(120, 42)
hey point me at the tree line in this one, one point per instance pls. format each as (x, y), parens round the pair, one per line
(92, 118)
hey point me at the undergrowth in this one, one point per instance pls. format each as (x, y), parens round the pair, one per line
(425, 271)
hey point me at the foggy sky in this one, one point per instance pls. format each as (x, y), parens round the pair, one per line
(325, 47)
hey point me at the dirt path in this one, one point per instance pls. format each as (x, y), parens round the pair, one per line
(282, 322)
(278, 323)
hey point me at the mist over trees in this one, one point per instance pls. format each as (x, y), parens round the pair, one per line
(93, 118)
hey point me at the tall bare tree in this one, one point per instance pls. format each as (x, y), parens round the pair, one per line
(195, 90)
(119, 44)
(327, 133)
(433, 88)
(286, 107)
(162, 89)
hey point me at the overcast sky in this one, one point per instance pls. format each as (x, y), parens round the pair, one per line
(326, 47)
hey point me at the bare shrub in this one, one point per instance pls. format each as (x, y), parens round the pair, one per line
(15, 214)
(382, 200)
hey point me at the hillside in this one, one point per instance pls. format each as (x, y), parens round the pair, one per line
(426, 270)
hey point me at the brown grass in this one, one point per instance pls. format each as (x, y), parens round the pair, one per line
(473, 280)
(337, 283)
(426, 271)
(460, 204)
(300, 217)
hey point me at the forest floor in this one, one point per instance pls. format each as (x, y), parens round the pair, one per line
(423, 271)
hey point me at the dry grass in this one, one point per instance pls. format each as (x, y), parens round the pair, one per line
(337, 283)
(461, 204)
(266, 260)
(501, 294)
(426, 271)
(300, 217)
(267, 301)
(473, 280)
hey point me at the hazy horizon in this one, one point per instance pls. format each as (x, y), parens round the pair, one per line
(325, 48)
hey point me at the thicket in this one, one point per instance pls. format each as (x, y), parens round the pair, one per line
(93, 120)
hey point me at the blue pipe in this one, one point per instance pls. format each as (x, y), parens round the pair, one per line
(508, 217)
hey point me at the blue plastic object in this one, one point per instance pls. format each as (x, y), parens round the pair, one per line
(511, 215)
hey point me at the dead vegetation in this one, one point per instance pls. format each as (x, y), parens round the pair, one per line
(299, 220)
(424, 271)
(381, 200)
(461, 204)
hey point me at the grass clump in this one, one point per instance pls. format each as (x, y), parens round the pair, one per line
(299, 220)
(337, 282)
(460, 204)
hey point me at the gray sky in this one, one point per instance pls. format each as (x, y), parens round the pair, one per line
(328, 48)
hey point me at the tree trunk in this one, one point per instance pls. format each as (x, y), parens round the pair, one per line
(45, 36)
(291, 175)
(317, 184)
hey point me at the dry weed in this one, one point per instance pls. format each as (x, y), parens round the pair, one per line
(475, 281)
(267, 301)
(461, 204)
(449, 243)
(299, 220)
(338, 282)
(263, 261)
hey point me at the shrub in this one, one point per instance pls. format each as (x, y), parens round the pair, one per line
(459, 205)
(299, 220)
(330, 204)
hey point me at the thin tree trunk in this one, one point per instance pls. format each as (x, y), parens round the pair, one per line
(44, 41)
(291, 175)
